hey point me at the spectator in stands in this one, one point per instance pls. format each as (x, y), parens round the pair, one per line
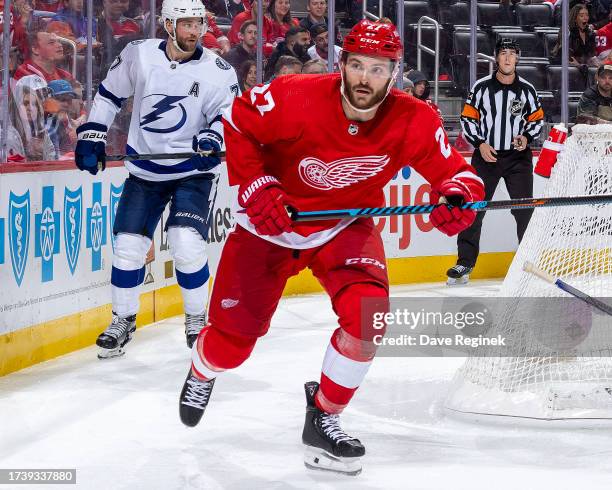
(115, 30)
(287, 65)
(319, 50)
(48, 5)
(46, 53)
(421, 89)
(235, 7)
(603, 38)
(595, 105)
(408, 86)
(251, 14)
(247, 75)
(600, 13)
(114, 24)
(282, 21)
(246, 49)
(582, 48)
(296, 44)
(71, 22)
(30, 138)
(214, 38)
(60, 125)
(314, 67)
(77, 108)
(316, 15)
(20, 16)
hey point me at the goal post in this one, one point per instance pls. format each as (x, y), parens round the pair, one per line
(573, 244)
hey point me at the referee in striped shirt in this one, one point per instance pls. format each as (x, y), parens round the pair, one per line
(501, 117)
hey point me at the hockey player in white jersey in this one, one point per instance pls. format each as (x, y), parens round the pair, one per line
(180, 90)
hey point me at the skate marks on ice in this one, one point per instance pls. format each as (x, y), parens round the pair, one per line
(117, 422)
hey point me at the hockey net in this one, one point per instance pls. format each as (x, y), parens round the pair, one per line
(573, 243)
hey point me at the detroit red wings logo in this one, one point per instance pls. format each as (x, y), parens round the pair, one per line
(340, 173)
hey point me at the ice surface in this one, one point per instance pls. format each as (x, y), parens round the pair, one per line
(117, 421)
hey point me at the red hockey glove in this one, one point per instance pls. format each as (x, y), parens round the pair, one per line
(264, 200)
(452, 220)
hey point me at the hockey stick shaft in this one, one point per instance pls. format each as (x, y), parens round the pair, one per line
(545, 276)
(162, 156)
(527, 203)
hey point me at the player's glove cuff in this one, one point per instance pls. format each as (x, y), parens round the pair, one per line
(207, 140)
(92, 131)
(266, 204)
(451, 219)
(90, 151)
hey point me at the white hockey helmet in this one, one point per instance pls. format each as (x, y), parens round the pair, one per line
(174, 10)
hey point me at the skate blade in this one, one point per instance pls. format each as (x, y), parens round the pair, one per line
(461, 281)
(318, 459)
(110, 353)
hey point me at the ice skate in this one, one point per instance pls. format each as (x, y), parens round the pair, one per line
(458, 275)
(194, 399)
(328, 447)
(193, 325)
(114, 338)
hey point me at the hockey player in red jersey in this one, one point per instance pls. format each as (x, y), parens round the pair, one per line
(320, 142)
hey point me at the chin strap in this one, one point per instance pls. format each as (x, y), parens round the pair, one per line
(375, 106)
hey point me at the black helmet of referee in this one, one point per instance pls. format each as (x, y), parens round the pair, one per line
(507, 43)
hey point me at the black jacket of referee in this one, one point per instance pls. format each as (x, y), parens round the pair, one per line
(501, 117)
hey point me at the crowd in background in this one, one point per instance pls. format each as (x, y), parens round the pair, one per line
(48, 43)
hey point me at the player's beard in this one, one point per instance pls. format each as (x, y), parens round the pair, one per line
(187, 47)
(376, 97)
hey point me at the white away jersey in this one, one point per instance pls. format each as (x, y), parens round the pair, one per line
(173, 101)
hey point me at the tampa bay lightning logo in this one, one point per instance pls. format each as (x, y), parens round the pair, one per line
(221, 63)
(162, 113)
(73, 212)
(115, 196)
(19, 233)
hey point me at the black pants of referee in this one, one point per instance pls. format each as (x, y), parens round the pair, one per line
(516, 168)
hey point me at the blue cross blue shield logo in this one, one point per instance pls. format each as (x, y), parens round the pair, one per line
(96, 227)
(73, 219)
(115, 195)
(47, 234)
(19, 233)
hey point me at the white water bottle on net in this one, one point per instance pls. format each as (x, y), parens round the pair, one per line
(559, 365)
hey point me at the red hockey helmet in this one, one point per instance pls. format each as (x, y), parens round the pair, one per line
(374, 39)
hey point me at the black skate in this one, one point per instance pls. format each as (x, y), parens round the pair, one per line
(114, 338)
(328, 447)
(458, 275)
(194, 399)
(193, 325)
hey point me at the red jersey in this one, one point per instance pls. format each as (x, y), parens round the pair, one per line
(123, 27)
(603, 39)
(19, 36)
(28, 67)
(295, 130)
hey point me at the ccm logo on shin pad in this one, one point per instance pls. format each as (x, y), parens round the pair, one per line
(365, 260)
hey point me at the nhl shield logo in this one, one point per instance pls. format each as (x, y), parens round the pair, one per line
(19, 233)
(73, 213)
(516, 107)
(115, 195)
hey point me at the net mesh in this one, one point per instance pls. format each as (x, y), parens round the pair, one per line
(573, 243)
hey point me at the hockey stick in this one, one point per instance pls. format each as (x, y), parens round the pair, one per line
(545, 276)
(161, 156)
(526, 203)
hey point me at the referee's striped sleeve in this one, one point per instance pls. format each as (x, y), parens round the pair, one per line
(470, 118)
(534, 114)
